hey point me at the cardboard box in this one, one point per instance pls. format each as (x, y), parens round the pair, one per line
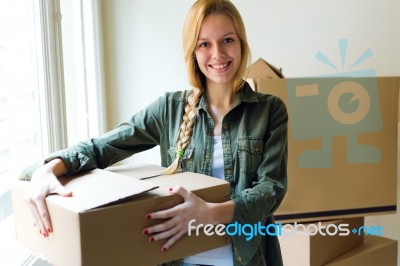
(314, 244)
(375, 251)
(102, 223)
(342, 146)
(262, 69)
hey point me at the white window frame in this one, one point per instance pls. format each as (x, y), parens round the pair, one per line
(52, 95)
(88, 65)
(52, 100)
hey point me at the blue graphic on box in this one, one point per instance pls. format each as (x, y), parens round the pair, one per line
(336, 106)
(349, 73)
(326, 108)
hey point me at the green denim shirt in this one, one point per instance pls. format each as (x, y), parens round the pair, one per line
(254, 139)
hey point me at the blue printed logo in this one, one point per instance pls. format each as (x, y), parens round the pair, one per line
(335, 106)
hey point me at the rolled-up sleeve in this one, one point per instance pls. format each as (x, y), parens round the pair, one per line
(141, 132)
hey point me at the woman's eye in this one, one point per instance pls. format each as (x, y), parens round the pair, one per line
(228, 40)
(203, 44)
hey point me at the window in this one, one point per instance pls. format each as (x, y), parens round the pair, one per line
(37, 115)
(22, 125)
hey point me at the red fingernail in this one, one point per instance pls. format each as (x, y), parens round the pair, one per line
(164, 249)
(148, 216)
(145, 232)
(49, 230)
(170, 189)
(151, 239)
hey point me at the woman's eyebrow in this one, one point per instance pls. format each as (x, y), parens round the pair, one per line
(223, 36)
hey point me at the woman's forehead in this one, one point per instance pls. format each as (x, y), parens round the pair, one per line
(216, 25)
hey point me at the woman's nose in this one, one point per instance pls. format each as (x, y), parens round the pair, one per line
(218, 52)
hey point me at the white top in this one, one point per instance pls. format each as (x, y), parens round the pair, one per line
(222, 255)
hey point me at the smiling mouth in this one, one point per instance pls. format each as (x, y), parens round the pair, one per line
(221, 66)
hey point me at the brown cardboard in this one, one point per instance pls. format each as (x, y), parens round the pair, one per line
(91, 228)
(262, 69)
(342, 149)
(375, 251)
(313, 247)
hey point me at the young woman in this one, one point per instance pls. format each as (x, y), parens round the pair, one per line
(220, 128)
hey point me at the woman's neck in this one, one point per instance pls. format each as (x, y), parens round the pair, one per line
(220, 99)
(220, 95)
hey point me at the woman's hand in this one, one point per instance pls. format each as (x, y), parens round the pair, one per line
(43, 183)
(178, 217)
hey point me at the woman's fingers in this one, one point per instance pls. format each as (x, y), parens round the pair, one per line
(174, 211)
(181, 191)
(35, 212)
(171, 229)
(37, 204)
(36, 200)
(172, 240)
(61, 190)
(177, 217)
(162, 227)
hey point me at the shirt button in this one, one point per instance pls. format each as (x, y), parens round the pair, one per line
(207, 156)
(225, 126)
(228, 171)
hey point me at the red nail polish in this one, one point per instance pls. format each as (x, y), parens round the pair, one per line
(164, 249)
(170, 189)
(151, 239)
(148, 216)
(145, 232)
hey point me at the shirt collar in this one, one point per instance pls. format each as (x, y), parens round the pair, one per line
(245, 94)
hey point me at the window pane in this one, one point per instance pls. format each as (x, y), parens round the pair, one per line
(20, 134)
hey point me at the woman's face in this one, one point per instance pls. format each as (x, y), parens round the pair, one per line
(218, 50)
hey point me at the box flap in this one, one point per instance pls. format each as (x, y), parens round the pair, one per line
(139, 170)
(99, 187)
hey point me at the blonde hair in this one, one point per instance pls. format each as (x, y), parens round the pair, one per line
(191, 30)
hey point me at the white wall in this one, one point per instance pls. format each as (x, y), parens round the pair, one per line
(144, 56)
(143, 48)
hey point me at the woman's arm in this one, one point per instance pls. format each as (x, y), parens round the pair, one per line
(140, 133)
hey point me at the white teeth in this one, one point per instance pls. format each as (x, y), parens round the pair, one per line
(219, 66)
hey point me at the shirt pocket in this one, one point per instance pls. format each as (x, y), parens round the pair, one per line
(250, 153)
(187, 160)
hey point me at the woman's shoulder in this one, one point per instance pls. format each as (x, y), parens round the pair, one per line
(179, 96)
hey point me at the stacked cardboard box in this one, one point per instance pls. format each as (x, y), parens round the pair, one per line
(342, 158)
